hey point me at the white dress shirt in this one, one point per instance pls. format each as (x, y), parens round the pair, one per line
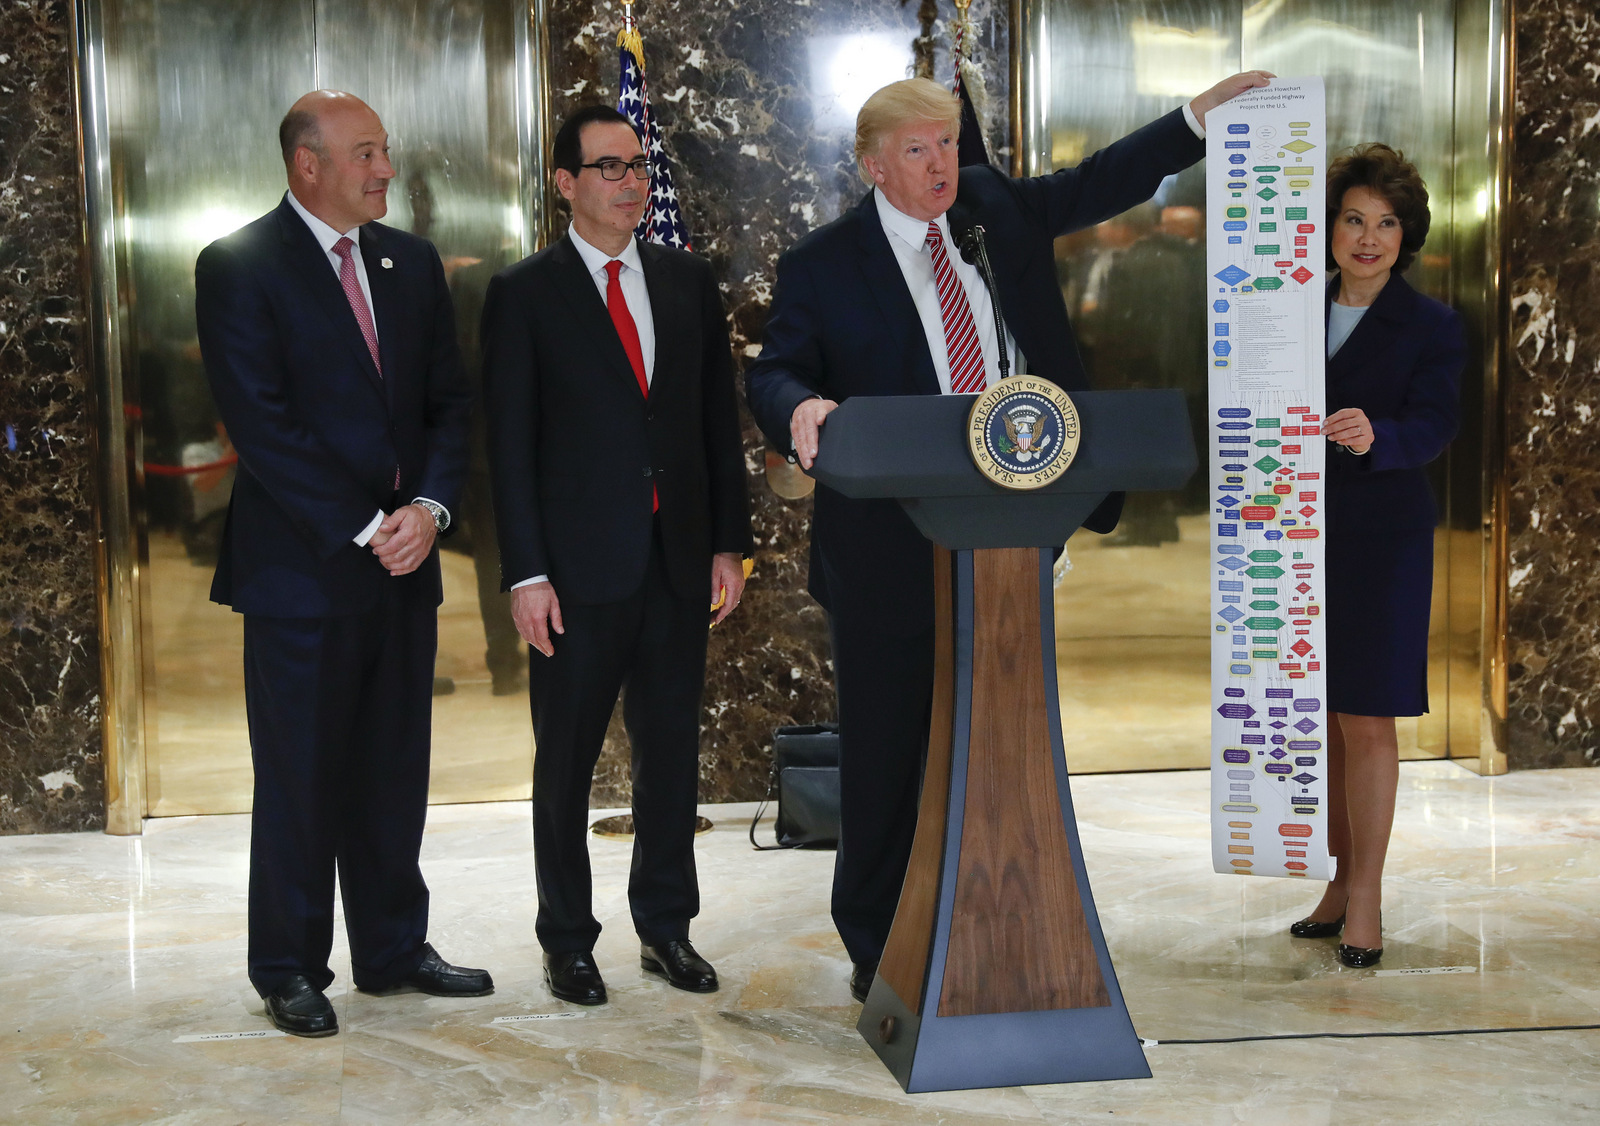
(908, 238)
(634, 293)
(326, 236)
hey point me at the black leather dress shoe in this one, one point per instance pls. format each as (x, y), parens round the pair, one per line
(1310, 928)
(1359, 957)
(862, 975)
(574, 977)
(680, 965)
(300, 1008)
(436, 976)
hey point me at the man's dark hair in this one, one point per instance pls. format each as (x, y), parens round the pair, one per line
(300, 129)
(567, 151)
(1387, 174)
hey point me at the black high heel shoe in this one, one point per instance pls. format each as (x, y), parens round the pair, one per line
(1362, 957)
(1310, 928)
(1359, 957)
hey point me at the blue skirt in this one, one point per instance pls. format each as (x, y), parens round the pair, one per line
(1380, 590)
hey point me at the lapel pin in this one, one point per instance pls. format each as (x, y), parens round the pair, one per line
(386, 263)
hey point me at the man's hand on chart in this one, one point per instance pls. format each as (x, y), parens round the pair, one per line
(1228, 88)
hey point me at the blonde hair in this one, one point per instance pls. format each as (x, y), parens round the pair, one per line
(899, 104)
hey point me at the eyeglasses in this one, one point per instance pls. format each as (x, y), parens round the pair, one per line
(616, 169)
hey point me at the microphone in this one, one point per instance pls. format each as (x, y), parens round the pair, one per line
(974, 253)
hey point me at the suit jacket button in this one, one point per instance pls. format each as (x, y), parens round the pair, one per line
(650, 416)
(647, 471)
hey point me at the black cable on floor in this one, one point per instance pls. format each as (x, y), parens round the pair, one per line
(1377, 1035)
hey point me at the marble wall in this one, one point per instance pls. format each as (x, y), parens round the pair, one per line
(1553, 426)
(762, 156)
(50, 771)
(762, 159)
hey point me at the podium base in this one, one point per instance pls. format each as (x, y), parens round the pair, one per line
(996, 971)
(999, 1050)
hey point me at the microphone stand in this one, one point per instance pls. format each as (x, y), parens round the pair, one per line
(973, 251)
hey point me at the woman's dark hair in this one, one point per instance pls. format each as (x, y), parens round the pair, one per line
(1385, 173)
(567, 149)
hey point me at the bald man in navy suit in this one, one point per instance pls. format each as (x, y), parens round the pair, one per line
(329, 343)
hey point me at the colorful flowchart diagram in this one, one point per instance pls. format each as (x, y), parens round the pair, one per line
(1265, 250)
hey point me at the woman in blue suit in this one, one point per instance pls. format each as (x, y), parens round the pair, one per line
(1394, 365)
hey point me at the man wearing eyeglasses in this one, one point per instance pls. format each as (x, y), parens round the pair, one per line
(619, 493)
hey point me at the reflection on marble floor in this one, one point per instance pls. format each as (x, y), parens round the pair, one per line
(483, 744)
(119, 947)
(1133, 656)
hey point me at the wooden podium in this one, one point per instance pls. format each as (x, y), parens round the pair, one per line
(996, 972)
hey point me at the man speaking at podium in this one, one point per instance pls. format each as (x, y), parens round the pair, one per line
(881, 302)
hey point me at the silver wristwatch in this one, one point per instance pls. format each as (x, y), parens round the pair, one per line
(440, 514)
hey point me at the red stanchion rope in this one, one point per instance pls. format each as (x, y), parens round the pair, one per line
(154, 470)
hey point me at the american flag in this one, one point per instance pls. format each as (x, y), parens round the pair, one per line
(969, 86)
(663, 219)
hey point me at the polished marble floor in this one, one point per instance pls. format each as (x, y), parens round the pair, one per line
(123, 982)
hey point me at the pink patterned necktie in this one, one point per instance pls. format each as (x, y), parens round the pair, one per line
(960, 335)
(358, 306)
(358, 300)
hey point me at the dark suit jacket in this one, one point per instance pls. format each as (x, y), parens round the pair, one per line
(574, 448)
(1402, 366)
(319, 432)
(843, 323)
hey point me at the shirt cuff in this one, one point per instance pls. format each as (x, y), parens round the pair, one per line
(367, 533)
(530, 582)
(1193, 122)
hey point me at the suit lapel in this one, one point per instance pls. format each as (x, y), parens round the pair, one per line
(386, 306)
(664, 315)
(311, 264)
(592, 320)
(1375, 329)
(888, 287)
(963, 215)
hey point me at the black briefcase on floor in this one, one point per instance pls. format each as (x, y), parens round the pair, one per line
(805, 782)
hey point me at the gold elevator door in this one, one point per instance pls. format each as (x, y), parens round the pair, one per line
(203, 84)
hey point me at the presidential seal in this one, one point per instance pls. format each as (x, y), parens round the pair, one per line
(1023, 432)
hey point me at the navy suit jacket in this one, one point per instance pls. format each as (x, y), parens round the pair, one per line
(319, 432)
(1402, 366)
(843, 323)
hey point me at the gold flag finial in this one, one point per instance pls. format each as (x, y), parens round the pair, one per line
(629, 38)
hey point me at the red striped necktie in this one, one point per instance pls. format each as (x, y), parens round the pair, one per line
(960, 335)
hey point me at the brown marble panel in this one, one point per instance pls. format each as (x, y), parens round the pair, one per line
(733, 88)
(50, 771)
(1553, 428)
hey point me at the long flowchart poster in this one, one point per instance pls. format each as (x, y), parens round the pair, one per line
(1266, 156)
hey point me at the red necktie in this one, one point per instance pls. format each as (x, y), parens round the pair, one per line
(617, 306)
(960, 336)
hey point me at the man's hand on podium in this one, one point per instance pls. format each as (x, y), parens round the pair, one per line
(805, 427)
